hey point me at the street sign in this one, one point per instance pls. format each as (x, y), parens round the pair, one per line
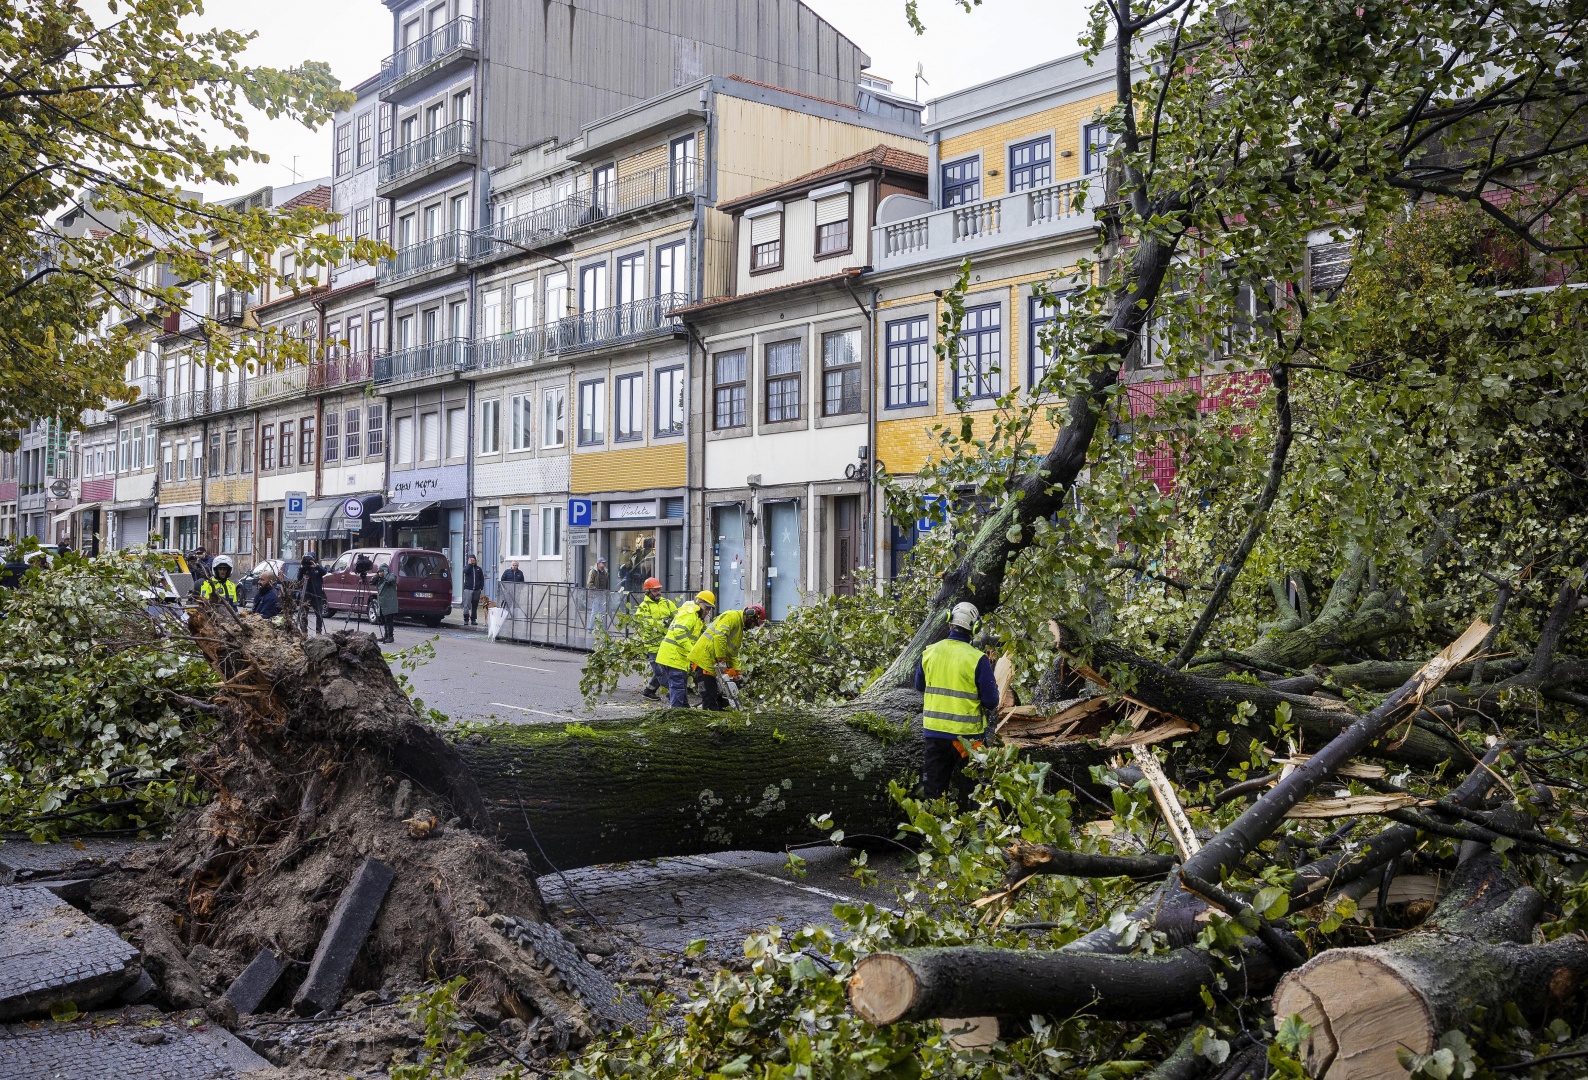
(579, 536)
(579, 513)
(353, 508)
(935, 508)
(61, 489)
(296, 519)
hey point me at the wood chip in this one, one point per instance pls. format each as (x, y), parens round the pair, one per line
(1353, 806)
(1163, 793)
(1004, 676)
(1354, 770)
(1172, 728)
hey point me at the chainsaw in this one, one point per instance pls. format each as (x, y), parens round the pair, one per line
(728, 687)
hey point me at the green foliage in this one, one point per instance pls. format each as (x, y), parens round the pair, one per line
(93, 721)
(446, 1049)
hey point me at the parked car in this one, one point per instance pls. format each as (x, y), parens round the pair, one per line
(286, 571)
(424, 583)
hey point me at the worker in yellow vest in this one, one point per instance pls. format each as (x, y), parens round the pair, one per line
(713, 655)
(682, 633)
(957, 679)
(221, 583)
(655, 616)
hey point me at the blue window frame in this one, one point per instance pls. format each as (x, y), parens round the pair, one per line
(1045, 311)
(1095, 140)
(978, 368)
(909, 362)
(961, 181)
(1031, 164)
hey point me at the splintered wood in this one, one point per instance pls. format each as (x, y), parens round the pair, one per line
(1185, 840)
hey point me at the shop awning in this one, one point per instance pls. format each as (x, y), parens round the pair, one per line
(82, 509)
(316, 520)
(399, 512)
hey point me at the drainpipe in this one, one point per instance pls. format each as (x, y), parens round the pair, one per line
(867, 529)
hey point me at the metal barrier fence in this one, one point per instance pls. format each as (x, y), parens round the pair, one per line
(549, 613)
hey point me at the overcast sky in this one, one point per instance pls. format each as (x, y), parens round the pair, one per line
(958, 50)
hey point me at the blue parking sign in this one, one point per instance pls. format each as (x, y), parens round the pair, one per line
(934, 507)
(295, 504)
(579, 513)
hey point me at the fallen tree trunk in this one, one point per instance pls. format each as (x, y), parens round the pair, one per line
(1473, 953)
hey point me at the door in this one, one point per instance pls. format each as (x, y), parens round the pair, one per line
(846, 543)
(731, 565)
(490, 533)
(783, 559)
(454, 519)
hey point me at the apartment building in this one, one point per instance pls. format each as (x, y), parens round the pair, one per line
(783, 409)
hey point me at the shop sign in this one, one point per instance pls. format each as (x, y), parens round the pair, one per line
(630, 510)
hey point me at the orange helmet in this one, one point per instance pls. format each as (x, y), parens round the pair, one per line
(652, 583)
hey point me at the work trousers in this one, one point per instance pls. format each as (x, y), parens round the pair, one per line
(710, 696)
(658, 676)
(943, 767)
(677, 687)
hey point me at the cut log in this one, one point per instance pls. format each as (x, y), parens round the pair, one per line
(1473, 953)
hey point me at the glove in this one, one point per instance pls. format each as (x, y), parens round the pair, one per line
(732, 673)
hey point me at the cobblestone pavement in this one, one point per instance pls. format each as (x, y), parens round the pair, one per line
(663, 905)
(133, 1045)
(50, 950)
(23, 860)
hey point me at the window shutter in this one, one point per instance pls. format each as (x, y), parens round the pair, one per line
(764, 230)
(831, 209)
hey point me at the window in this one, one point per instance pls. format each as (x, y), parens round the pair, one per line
(149, 436)
(375, 430)
(457, 433)
(766, 242)
(288, 434)
(125, 464)
(841, 372)
(521, 532)
(430, 436)
(435, 117)
(685, 158)
(459, 213)
(1043, 316)
(248, 450)
(490, 425)
(231, 453)
(602, 185)
(463, 105)
(592, 287)
(181, 460)
(306, 442)
(364, 126)
(592, 412)
(631, 278)
(523, 305)
(333, 436)
(344, 149)
(522, 405)
(1031, 164)
(909, 362)
(729, 389)
(167, 462)
(554, 405)
(1095, 141)
(671, 269)
(782, 381)
(961, 181)
(630, 401)
(197, 453)
(832, 225)
(245, 531)
(229, 533)
(491, 313)
(670, 401)
(429, 324)
(215, 453)
(977, 367)
(405, 440)
(383, 220)
(556, 297)
(551, 532)
(458, 319)
(350, 434)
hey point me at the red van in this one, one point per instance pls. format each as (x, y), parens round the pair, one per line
(424, 583)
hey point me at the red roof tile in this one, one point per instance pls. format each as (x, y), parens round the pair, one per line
(317, 197)
(878, 157)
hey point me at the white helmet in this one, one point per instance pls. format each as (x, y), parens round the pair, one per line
(964, 615)
(222, 560)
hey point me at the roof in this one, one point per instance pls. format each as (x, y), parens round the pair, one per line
(317, 197)
(705, 306)
(796, 93)
(880, 156)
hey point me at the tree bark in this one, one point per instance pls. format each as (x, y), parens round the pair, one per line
(1473, 953)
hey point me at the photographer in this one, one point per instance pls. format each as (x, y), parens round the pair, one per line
(312, 573)
(386, 602)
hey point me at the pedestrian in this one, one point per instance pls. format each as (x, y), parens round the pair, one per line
(672, 655)
(200, 563)
(512, 573)
(386, 602)
(596, 584)
(267, 601)
(473, 586)
(957, 679)
(220, 583)
(312, 573)
(713, 655)
(654, 616)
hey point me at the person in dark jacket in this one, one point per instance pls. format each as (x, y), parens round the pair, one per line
(960, 692)
(386, 602)
(267, 601)
(473, 586)
(312, 573)
(512, 573)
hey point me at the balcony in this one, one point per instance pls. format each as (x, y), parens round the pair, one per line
(955, 232)
(410, 165)
(448, 356)
(342, 368)
(289, 382)
(422, 262)
(654, 187)
(432, 56)
(148, 387)
(636, 321)
(232, 304)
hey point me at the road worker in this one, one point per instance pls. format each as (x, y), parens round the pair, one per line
(220, 582)
(957, 679)
(712, 658)
(682, 634)
(654, 616)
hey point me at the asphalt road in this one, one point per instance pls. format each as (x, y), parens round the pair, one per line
(472, 679)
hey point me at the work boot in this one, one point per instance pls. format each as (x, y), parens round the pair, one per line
(648, 693)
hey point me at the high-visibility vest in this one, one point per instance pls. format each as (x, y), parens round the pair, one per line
(216, 587)
(655, 617)
(952, 704)
(682, 633)
(719, 642)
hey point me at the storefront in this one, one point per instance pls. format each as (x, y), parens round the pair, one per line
(332, 526)
(129, 523)
(640, 537)
(179, 525)
(426, 510)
